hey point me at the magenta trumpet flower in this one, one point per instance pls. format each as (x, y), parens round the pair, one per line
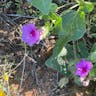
(30, 34)
(83, 68)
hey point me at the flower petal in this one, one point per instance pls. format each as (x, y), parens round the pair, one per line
(28, 36)
(83, 67)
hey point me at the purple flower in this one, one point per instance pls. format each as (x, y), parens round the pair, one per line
(30, 34)
(83, 68)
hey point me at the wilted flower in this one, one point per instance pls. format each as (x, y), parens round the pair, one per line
(85, 82)
(30, 34)
(83, 68)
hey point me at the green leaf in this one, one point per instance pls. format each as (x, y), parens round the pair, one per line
(58, 25)
(53, 16)
(59, 45)
(79, 1)
(42, 5)
(57, 21)
(74, 24)
(72, 65)
(77, 81)
(93, 71)
(53, 7)
(92, 57)
(87, 7)
(63, 52)
(56, 61)
(93, 35)
(52, 63)
(63, 82)
(58, 64)
(82, 49)
(93, 49)
(70, 52)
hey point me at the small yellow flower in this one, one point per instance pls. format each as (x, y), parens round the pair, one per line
(6, 77)
(2, 93)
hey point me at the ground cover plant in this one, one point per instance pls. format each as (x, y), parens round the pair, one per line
(47, 47)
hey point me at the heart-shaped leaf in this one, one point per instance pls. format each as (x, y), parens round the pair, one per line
(42, 5)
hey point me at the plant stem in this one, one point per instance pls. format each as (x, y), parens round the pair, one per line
(65, 5)
(34, 69)
(21, 16)
(21, 83)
